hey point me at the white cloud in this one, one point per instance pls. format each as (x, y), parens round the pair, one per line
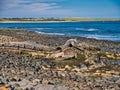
(29, 8)
(40, 6)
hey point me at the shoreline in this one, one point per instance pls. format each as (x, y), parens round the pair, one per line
(56, 21)
(62, 35)
(55, 38)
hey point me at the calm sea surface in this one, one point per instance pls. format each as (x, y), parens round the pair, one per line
(98, 30)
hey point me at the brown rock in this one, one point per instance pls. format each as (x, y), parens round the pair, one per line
(3, 88)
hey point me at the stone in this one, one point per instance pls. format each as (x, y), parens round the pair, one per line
(13, 80)
(98, 71)
(10, 87)
(75, 88)
(67, 67)
(2, 83)
(117, 87)
(16, 85)
(3, 88)
(58, 83)
(44, 68)
(83, 67)
(44, 81)
(59, 73)
(50, 83)
(32, 88)
(76, 69)
(118, 81)
(59, 48)
(71, 42)
(97, 88)
(63, 74)
(35, 81)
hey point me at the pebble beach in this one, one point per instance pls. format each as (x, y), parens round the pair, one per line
(33, 61)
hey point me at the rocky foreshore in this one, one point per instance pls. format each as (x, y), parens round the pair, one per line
(32, 61)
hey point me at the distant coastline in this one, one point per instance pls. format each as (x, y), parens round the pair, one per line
(34, 21)
(40, 20)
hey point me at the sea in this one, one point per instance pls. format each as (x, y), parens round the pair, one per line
(102, 30)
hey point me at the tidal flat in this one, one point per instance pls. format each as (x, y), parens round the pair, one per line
(33, 61)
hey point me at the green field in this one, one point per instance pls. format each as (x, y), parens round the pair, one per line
(92, 19)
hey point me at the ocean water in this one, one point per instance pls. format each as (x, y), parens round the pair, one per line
(97, 30)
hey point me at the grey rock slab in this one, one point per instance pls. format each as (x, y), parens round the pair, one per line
(50, 87)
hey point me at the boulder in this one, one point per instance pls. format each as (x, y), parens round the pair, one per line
(71, 43)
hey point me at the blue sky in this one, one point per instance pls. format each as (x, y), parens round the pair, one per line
(60, 8)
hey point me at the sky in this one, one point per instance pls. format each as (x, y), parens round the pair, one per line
(60, 8)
